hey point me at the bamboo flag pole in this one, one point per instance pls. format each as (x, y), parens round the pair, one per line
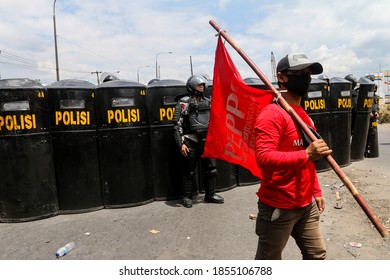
(340, 173)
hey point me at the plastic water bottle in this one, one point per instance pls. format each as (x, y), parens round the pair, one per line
(65, 250)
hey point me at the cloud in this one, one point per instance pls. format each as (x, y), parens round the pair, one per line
(222, 3)
(345, 36)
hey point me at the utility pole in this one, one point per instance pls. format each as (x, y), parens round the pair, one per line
(55, 40)
(157, 67)
(139, 67)
(97, 75)
(273, 67)
(192, 72)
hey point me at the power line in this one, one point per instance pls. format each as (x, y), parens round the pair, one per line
(20, 65)
(30, 64)
(16, 57)
(25, 62)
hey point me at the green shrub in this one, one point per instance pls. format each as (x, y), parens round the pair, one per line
(384, 117)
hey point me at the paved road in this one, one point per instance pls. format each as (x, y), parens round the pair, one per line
(206, 231)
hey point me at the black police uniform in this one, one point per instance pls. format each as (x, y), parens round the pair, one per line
(191, 119)
(372, 148)
(354, 97)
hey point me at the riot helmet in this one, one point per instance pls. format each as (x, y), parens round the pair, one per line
(107, 77)
(194, 81)
(352, 79)
(323, 77)
(153, 81)
(371, 77)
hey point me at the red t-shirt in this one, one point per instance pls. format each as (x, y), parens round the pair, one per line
(288, 179)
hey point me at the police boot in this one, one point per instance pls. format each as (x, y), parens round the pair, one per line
(211, 196)
(187, 192)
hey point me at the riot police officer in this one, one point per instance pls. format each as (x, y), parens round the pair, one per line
(324, 78)
(191, 119)
(372, 136)
(354, 97)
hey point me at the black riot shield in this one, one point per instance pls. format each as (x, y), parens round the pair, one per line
(166, 161)
(124, 144)
(76, 161)
(340, 120)
(316, 104)
(27, 185)
(372, 146)
(362, 118)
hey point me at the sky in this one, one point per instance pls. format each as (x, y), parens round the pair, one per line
(128, 38)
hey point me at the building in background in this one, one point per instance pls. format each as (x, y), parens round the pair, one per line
(386, 85)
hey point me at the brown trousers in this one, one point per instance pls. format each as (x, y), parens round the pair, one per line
(275, 226)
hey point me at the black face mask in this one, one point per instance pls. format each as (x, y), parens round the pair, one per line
(298, 84)
(198, 93)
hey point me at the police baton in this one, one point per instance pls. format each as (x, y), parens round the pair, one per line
(358, 197)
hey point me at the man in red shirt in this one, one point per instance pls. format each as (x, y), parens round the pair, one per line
(290, 198)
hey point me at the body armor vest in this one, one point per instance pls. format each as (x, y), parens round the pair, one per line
(199, 115)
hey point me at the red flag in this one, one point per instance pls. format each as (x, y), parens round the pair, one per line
(234, 109)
